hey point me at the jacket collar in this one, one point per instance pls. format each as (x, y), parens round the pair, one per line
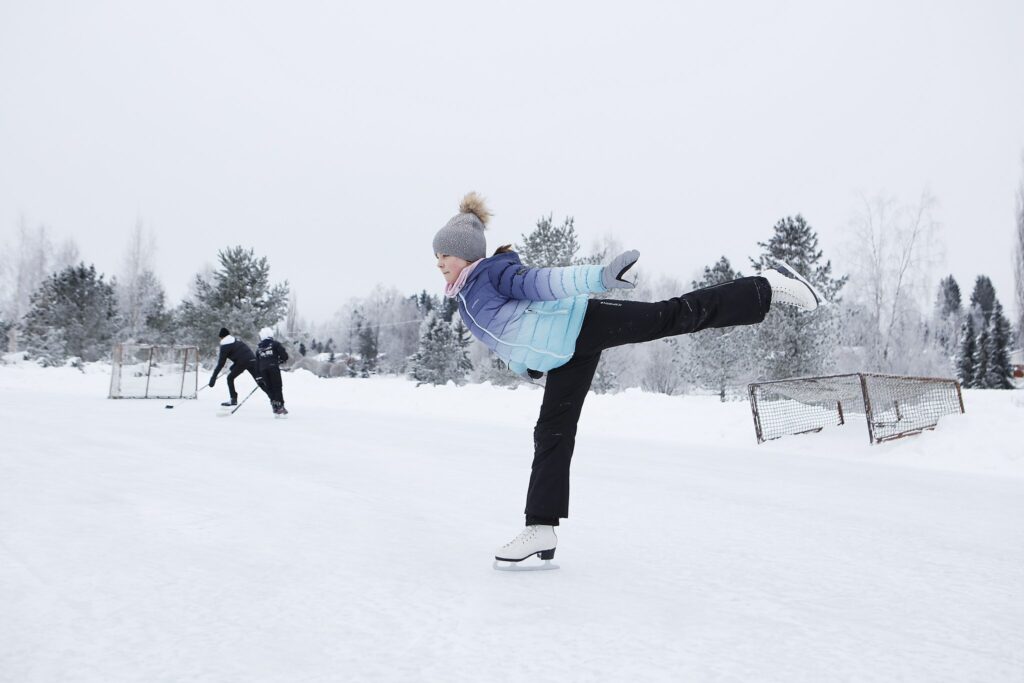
(230, 339)
(452, 289)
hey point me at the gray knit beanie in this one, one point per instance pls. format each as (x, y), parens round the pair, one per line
(463, 235)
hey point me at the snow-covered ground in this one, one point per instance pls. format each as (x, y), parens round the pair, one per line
(353, 541)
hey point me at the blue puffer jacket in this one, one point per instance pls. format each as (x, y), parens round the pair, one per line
(529, 317)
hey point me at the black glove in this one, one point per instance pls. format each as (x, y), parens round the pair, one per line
(213, 380)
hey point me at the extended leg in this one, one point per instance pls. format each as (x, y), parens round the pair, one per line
(611, 322)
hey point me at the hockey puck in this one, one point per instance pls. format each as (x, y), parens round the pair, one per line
(168, 406)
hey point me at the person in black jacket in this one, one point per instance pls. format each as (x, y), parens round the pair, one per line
(242, 359)
(269, 356)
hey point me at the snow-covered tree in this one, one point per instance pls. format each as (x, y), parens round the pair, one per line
(965, 357)
(606, 377)
(23, 267)
(791, 342)
(982, 356)
(490, 368)
(140, 296)
(292, 324)
(1018, 261)
(998, 374)
(548, 245)
(237, 295)
(442, 355)
(983, 297)
(982, 359)
(367, 346)
(948, 302)
(379, 331)
(947, 320)
(73, 313)
(892, 250)
(720, 358)
(664, 365)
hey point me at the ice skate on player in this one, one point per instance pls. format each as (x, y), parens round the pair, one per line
(790, 287)
(538, 539)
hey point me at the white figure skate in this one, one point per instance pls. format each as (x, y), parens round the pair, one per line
(791, 288)
(539, 540)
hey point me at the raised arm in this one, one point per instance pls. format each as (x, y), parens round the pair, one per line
(517, 281)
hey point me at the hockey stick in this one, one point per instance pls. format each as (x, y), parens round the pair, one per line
(240, 404)
(171, 405)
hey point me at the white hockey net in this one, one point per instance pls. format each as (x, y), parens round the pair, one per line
(893, 405)
(151, 371)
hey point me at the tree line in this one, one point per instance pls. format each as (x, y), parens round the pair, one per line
(75, 312)
(879, 319)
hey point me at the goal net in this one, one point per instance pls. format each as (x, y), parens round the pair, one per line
(153, 371)
(892, 405)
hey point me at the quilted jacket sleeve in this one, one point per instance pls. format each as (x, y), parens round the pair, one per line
(517, 281)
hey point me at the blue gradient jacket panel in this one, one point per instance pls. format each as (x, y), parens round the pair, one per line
(529, 317)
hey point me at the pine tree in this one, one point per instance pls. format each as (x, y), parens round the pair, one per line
(443, 354)
(983, 298)
(965, 357)
(425, 302)
(367, 345)
(948, 317)
(73, 313)
(449, 307)
(796, 243)
(5, 329)
(982, 359)
(302, 349)
(990, 353)
(549, 246)
(463, 339)
(948, 301)
(1000, 337)
(791, 342)
(606, 380)
(720, 356)
(239, 296)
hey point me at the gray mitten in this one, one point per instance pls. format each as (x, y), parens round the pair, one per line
(613, 272)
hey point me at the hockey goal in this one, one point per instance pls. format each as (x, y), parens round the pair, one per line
(153, 371)
(893, 405)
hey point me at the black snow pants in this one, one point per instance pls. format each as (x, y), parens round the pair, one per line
(610, 323)
(273, 385)
(237, 370)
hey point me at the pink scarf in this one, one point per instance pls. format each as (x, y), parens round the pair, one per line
(452, 289)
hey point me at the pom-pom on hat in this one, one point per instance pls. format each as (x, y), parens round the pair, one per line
(463, 235)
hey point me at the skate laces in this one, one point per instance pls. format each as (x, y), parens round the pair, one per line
(524, 535)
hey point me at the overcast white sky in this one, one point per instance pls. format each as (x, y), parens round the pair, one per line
(336, 138)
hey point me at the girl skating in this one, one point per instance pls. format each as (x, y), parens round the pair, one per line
(542, 320)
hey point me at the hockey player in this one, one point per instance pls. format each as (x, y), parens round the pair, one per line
(242, 359)
(541, 320)
(269, 355)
